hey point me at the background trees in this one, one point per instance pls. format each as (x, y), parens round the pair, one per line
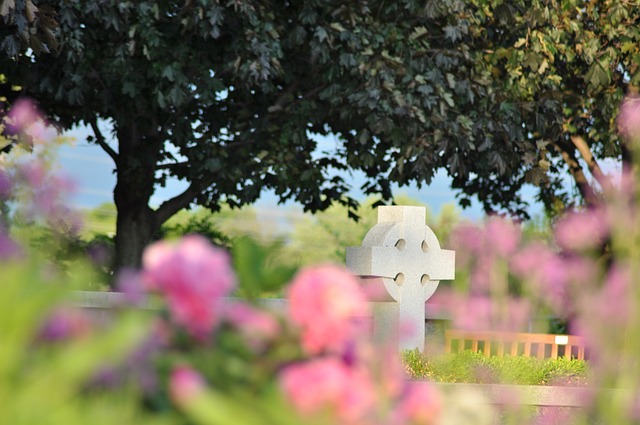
(231, 98)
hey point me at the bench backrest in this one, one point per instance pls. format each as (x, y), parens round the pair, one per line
(515, 344)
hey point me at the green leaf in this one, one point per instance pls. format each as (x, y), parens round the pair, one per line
(321, 34)
(418, 32)
(168, 73)
(255, 273)
(598, 75)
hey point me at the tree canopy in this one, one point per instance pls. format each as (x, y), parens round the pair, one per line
(232, 96)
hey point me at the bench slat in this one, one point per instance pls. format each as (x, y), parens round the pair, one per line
(534, 344)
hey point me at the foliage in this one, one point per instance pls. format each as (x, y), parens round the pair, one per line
(324, 236)
(257, 273)
(49, 354)
(235, 98)
(27, 25)
(476, 368)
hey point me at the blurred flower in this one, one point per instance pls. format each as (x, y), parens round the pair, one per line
(9, 249)
(578, 231)
(99, 253)
(5, 185)
(467, 237)
(185, 385)
(64, 324)
(22, 114)
(611, 305)
(502, 236)
(194, 276)
(328, 384)
(479, 313)
(421, 403)
(129, 282)
(552, 415)
(256, 325)
(629, 117)
(526, 263)
(323, 301)
(25, 119)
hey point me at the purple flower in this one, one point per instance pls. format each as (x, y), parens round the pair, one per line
(502, 236)
(9, 249)
(64, 324)
(629, 117)
(129, 282)
(579, 231)
(5, 185)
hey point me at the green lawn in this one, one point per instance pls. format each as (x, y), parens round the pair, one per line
(475, 368)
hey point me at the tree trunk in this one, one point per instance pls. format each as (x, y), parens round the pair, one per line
(137, 222)
(135, 228)
(568, 155)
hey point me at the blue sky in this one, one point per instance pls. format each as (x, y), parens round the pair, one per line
(92, 171)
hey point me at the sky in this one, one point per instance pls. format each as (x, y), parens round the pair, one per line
(92, 170)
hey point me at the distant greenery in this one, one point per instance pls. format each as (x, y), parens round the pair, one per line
(298, 240)
(475, 368)
(324, 236)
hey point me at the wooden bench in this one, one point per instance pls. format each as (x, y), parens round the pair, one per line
(515, 344)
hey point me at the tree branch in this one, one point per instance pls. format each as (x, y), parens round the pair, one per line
(177, 203)
(170, 165)
(587, 192)
(592, 164)
(285, 97)
(101, 141)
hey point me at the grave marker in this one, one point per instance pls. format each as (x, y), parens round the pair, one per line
(405, 253)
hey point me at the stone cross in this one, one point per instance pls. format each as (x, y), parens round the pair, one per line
(403, 251)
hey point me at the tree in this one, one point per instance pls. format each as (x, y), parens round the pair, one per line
(227, 98)
(231, 97)
(565, 68)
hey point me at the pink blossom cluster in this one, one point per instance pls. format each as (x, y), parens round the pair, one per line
(324, 303)
(344, 376)
(27, 121)
(328, 384)
(42, 191)
(47, 193)
(629, 117)
(549, 276)
(336, 374)
(193, 275)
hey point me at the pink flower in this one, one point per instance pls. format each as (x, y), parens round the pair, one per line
(194, 276)
(502, 236)
(421, 403)
(323, 301)
(629, 117)
(527, 262)
(328, 384)
(256, 325)
(25, 119)
(582, 230)
(468, 237)
(185, 385)
(480, 313)
(22, 115)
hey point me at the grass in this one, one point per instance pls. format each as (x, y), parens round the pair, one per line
(475, 368)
